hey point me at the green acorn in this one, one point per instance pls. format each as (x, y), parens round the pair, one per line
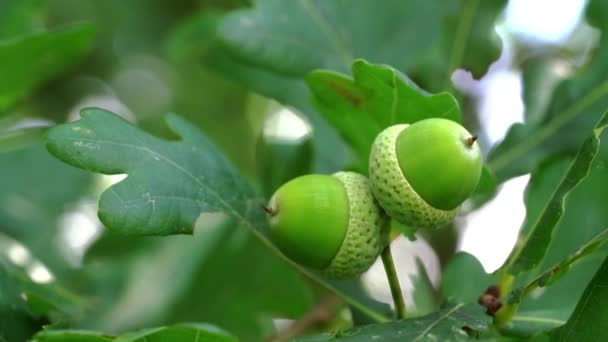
(330, 223)
(421, 173)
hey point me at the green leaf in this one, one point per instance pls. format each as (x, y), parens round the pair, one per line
(555, 272)
(24, 302)
(585, 216)
(575, 106)
(185, 332)
(376, 97)
(486, 188)
(530, 251)
(19, 17)
(293, 38)
(71, 336)
(195, 39)
(447, 324)
(463, 279)
(27, 62)
(592, 308)
(424, 295)
(271, 47)
(33, 202)
(280, 161)
(169, 184)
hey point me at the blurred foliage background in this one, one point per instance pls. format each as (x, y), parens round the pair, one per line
(142, 59)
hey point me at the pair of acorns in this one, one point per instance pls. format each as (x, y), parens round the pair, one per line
(419, 174)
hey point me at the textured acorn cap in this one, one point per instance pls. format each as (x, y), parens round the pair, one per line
(392, 190)
(364, 238)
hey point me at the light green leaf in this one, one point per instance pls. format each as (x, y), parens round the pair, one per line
(377, 96)
(448, 324)
(592, 308)
(531, 249)
(576, 105)
(185, 332)
(26, 62)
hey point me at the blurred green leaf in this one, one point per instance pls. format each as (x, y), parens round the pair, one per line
(271, 47)
(169, 183)
(18, 17)
(293, 38)
(531, 249)
(185, 332)
(71, 336)
(202, 282)
(447, 324)
(26, 62)
(21, 138)
(376, 97)
(25, 305)
(463, 279)
(486, 188)
(575, 106)
(592, 308)
(425, 296)
(557, 271)
(32, 202)
(280, 161)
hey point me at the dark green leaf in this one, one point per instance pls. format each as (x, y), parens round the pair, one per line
(447, 324)
(463, 279)
(575, 106)
(376, 97)
(585, 216)
(24, 303)
(532, 248)
(170, 183)
(554, 273)
(292, 38)
(592, 308)
(29, 61)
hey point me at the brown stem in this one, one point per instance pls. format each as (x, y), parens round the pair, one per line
(470, 140)
(269, 210)
(322, 313)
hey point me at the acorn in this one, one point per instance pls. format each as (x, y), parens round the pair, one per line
(328, 222)
(421, 173)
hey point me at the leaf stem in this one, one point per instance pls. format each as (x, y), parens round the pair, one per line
(393, 281)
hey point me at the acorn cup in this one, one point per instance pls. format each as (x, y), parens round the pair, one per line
(330, 223)
(421, 173)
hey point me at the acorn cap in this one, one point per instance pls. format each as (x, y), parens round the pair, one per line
(364, 238)
(393, 191)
